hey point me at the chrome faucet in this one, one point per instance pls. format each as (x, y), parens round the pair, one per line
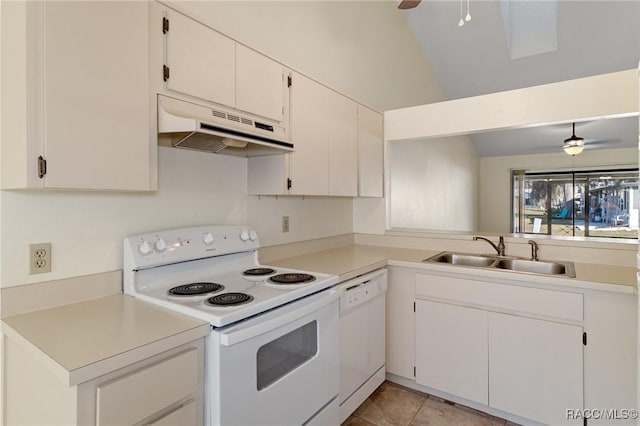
(500, 248)
(534, 250)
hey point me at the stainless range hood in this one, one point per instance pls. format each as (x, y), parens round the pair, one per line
(184, 124)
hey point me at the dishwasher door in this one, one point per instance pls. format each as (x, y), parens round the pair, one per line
(362, 337)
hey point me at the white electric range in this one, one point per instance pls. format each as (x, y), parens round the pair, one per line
(272, 357)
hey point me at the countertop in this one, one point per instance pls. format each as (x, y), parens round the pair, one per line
(87, 339)
(351, 261)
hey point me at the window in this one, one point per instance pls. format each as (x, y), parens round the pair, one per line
(283, 355)
(597, 203)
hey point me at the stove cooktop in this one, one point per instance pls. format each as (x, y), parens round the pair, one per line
(203, 271)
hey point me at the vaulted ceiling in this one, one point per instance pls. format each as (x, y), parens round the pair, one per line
(510, 44)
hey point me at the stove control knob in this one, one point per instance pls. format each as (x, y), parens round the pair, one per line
(207, 238)
(145, 248)
(252, 235)
(244, 235)
(161, 245)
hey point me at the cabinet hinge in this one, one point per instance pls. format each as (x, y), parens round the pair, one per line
(166, 72)
(42, 167)
(288, 183)
(584, 338)
(165, 25)
(289, 81)
(584, 421)
(414, 306)
(414, 371)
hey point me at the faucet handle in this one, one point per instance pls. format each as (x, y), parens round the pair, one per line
(534, 250)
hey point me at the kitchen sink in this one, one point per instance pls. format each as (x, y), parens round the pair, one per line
(462, 259)
(512, 264)
(537, 267)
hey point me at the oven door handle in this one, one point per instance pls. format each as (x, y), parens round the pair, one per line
(234, 336)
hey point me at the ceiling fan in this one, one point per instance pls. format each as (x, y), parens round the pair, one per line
(574, 145)
(408, 4)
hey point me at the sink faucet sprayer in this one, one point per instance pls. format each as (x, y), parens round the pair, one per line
(500, 248)
(534, 250)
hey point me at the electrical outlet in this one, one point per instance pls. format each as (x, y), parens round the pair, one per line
(39, 258)
(285, 223)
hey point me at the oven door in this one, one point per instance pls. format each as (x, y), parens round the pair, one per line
(279, 368)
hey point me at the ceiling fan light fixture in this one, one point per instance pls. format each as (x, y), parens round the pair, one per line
(573, 145)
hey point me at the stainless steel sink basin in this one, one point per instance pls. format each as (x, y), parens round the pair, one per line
(537, 267)
(462, 259)
(512, 264)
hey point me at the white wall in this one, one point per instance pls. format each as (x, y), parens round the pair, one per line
(495, 178)
(433, 184)
(363, 49)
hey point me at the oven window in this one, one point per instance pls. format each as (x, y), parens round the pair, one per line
(277, 358)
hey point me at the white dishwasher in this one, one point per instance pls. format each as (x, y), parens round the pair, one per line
(362, 339)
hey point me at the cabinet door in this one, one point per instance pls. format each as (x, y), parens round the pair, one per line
(96, 95)
(535, 368)
(370, 152)
(451, 349)
(186, 415)
(343, 145)
(201, 60)
(310, 137)
(400, 322)
(260, 84)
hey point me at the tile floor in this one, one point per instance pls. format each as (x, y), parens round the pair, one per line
(396, 405)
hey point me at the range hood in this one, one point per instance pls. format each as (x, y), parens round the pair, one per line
(184, 124)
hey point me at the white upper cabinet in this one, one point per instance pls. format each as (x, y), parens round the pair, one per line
(75, 92)
(310, 137)
(370, 152)
(205, 64)
(260, 84)
(343, 145)
(200, 61)
(324, 132)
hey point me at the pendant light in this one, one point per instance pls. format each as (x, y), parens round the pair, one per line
(468, 17)
(573, 145)
(461, 21)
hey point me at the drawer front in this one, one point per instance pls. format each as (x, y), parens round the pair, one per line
(548, 303)
(186, 415)
(138, 395)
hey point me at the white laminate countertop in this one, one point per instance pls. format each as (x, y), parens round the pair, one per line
(351, 261)
(87, 339)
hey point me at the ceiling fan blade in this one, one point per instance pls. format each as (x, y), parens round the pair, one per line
(408, 4)
(601, 143)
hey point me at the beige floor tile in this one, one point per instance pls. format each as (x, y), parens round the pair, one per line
(438, 413)
(356, 421)
(390, 405)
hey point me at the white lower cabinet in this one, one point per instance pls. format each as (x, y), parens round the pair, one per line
(451, 349)
(508, 347)
(400, 322)
(535, 368)
(164, 389)
(142, 393)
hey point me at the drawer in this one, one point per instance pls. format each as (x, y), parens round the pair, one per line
(548, 303)
(185, 415)
(138, 395)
